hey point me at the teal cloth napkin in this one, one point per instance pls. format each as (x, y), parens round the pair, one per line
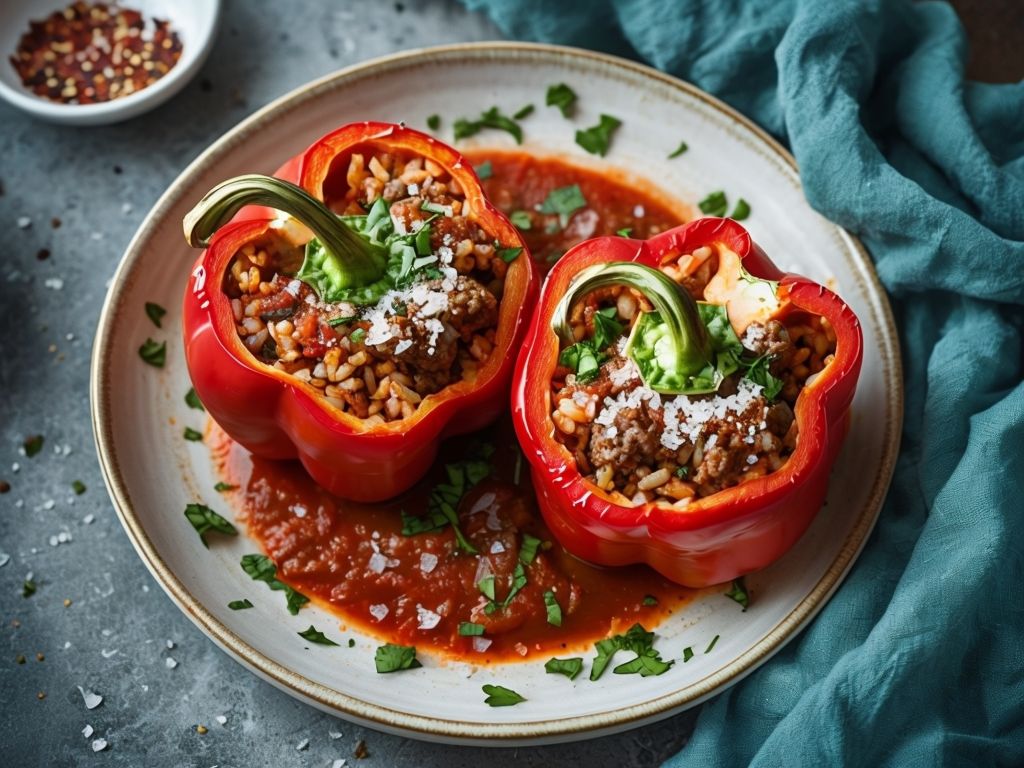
(919, 657)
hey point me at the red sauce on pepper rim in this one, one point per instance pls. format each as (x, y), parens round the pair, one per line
(354, 560)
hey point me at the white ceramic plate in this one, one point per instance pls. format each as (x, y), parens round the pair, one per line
(152, 473)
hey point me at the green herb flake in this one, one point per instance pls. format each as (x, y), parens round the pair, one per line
(564, 201)
(193, 434)
(192, 400)
(597, 138)
(357, 335)
(638, 640)
(553, 608)
(624, 232)
(738, 592)
(434, 122)
(469, 629)
(33, 445)
(262, 568)
(740, 211)
(445, 497)
(687, 654)
(528, 549)
(492, 118)
(571, 668)
(500, 696)
(222, 486)
(679, 150)
(314, 635)
(521, 220)
(714, 204)
(682, 471)
(583, 359)
(607, 329)
(523, 112)
(78, 487)
(334, 322)
(711, 644)
(240, 605)
(155, 313)
(153, 353)
(395, 658)
(28, 588)
(760, 373)
(351, 643)
(649, 601)
(508, 255)
(561, 96)
(486, 587)
(204, 520)
(485, 170)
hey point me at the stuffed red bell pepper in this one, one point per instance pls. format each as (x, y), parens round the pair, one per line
(356, 334)
(681, 401)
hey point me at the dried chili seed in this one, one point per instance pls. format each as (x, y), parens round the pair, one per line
(90, 53)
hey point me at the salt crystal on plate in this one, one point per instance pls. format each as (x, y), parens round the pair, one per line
(92, 700)
(99, 745)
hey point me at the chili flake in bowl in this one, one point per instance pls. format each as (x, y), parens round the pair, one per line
(96, 63)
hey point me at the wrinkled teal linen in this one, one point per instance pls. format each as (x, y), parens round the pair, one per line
(919, 657)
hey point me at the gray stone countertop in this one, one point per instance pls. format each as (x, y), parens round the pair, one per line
(69, 202)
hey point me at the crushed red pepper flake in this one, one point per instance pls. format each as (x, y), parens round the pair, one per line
(91, 53)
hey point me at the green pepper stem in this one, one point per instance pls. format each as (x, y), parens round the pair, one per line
(353, 253)
(691, 346)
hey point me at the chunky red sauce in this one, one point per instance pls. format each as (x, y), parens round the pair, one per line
(418, 589)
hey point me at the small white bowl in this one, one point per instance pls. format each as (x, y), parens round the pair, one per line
(195, 21)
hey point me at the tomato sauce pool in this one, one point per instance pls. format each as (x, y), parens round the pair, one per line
(519, 595)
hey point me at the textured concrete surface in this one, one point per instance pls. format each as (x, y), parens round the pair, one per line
(119, 630)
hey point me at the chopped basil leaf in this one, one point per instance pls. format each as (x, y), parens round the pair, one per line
(607, 329)
(561, 96)
(568, 667)
(638, 640)
(492, 118)
(262, 568)
(597, 138)
(28, 588)
(682, 471)
(334, 322)
(314, 635)
(714, 204)
(499, 696)
(624, 232)
(394, 658)
(192, 400)
(518, 582)
(645, 664)
(434, 122)
(679, 150)
(351, 643)
(582, 358)
(524, 112)
(687, 654)
(521, 220)
(445, 497)
(553, 608)
(414, 524)
(650, 600)
(155, 313)
(204, 519)
(740, 211)
(711, 644)
(528, 549)
(357, 335)
(222, 486)
(738, 592)
(759, 373)
(484, 170)
(469, 629)
(486, 587)
(564, 201)
(508, 255)
(153, 353)
(193, 435)
(33, 445)
(78, 487)
(239, 605)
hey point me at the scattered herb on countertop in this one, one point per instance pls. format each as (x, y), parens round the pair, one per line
(204, 519)
(568, 667)
(155, 313)
(561, 96)
(597, 138)
(262, 568)
(33, 445)
(314, 635)
(394, 658)
(492, 118)
(153, 353)
(78, 487)
(500, 696)
(28, 588)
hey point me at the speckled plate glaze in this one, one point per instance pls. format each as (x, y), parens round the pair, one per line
(151, 473)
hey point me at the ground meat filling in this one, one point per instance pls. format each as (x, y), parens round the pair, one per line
(379, 361)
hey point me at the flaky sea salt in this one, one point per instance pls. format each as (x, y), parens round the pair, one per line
(428, 562)
(379, 611)
(428, 619)
(92, 700)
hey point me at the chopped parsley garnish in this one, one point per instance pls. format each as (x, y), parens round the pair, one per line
(682, 471)
(564, 201)
(508, 255)
(553, 608)
(711, 644)
(334, 322)
(561, 96)
(351, 643)
(486, 587)
(492, 118)
(262, 568)
(521, 220)
(357, 335)
(687, 654)
(740, 211)
(153, 353)
(606, 328)
(204, 520)
(524, 112)
(28, 588)
(528, 549)
(485, 170)
(469, 629)
(155, 313)
(624, 232)
(434, 122)
(637, 640)
(78, 487)
(192, 400)
(679, 150)
(394, 658)
(314, 635)
(597, 138)
(240, 605)
(500, 696)
(738, 592)
(759, 373)
(714, 204)
(582, 358)
(568, 667)
(33, 445)
(222, 486)
(649, 600)
(194, 435)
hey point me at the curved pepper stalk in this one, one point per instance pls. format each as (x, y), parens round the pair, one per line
(739, 529)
